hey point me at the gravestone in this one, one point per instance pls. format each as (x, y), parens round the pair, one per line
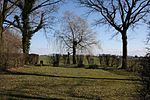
(56, 58)
(41, 63)
(68, 58)
(33, 59)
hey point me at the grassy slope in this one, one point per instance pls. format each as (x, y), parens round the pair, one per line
(67, 83)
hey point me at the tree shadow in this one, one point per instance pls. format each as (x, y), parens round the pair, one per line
(44, 75)
(70, 93)
(21, 96)
(16, 95)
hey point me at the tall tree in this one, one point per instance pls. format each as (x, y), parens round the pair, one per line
(6, 10)
(33, 17)
(75, 34)
(121, 15)
(148, 37)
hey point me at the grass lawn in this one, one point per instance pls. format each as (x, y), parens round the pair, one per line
(55, 83)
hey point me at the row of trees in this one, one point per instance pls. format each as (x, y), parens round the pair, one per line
(30, 16)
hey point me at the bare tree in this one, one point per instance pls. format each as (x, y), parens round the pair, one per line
(12, 42)
(34, 15)
(120, 14)
(6, 9)
(12, 49)
(75, 34)
(148, 37)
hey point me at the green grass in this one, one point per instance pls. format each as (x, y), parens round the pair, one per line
(67, 84)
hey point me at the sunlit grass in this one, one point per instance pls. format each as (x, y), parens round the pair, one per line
(68, 84)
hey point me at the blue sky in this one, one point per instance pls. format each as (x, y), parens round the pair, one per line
(136, 38)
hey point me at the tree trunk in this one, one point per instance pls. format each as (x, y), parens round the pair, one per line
(74, 54)
(68, 58)
(1, 45)
(25, 35)
(124, 49)
(1, 38)
(25, 47)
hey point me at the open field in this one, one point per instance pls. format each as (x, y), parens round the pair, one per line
(67, 84)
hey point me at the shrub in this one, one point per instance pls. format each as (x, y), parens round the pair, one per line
(11, 55)
(145, 76)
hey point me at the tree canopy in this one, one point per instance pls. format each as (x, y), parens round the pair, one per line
(76, 34)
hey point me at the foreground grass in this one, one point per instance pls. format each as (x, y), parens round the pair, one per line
(67, 84)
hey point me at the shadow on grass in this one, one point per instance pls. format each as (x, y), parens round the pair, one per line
(44, 75)
(20, 96)
(70, 93)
